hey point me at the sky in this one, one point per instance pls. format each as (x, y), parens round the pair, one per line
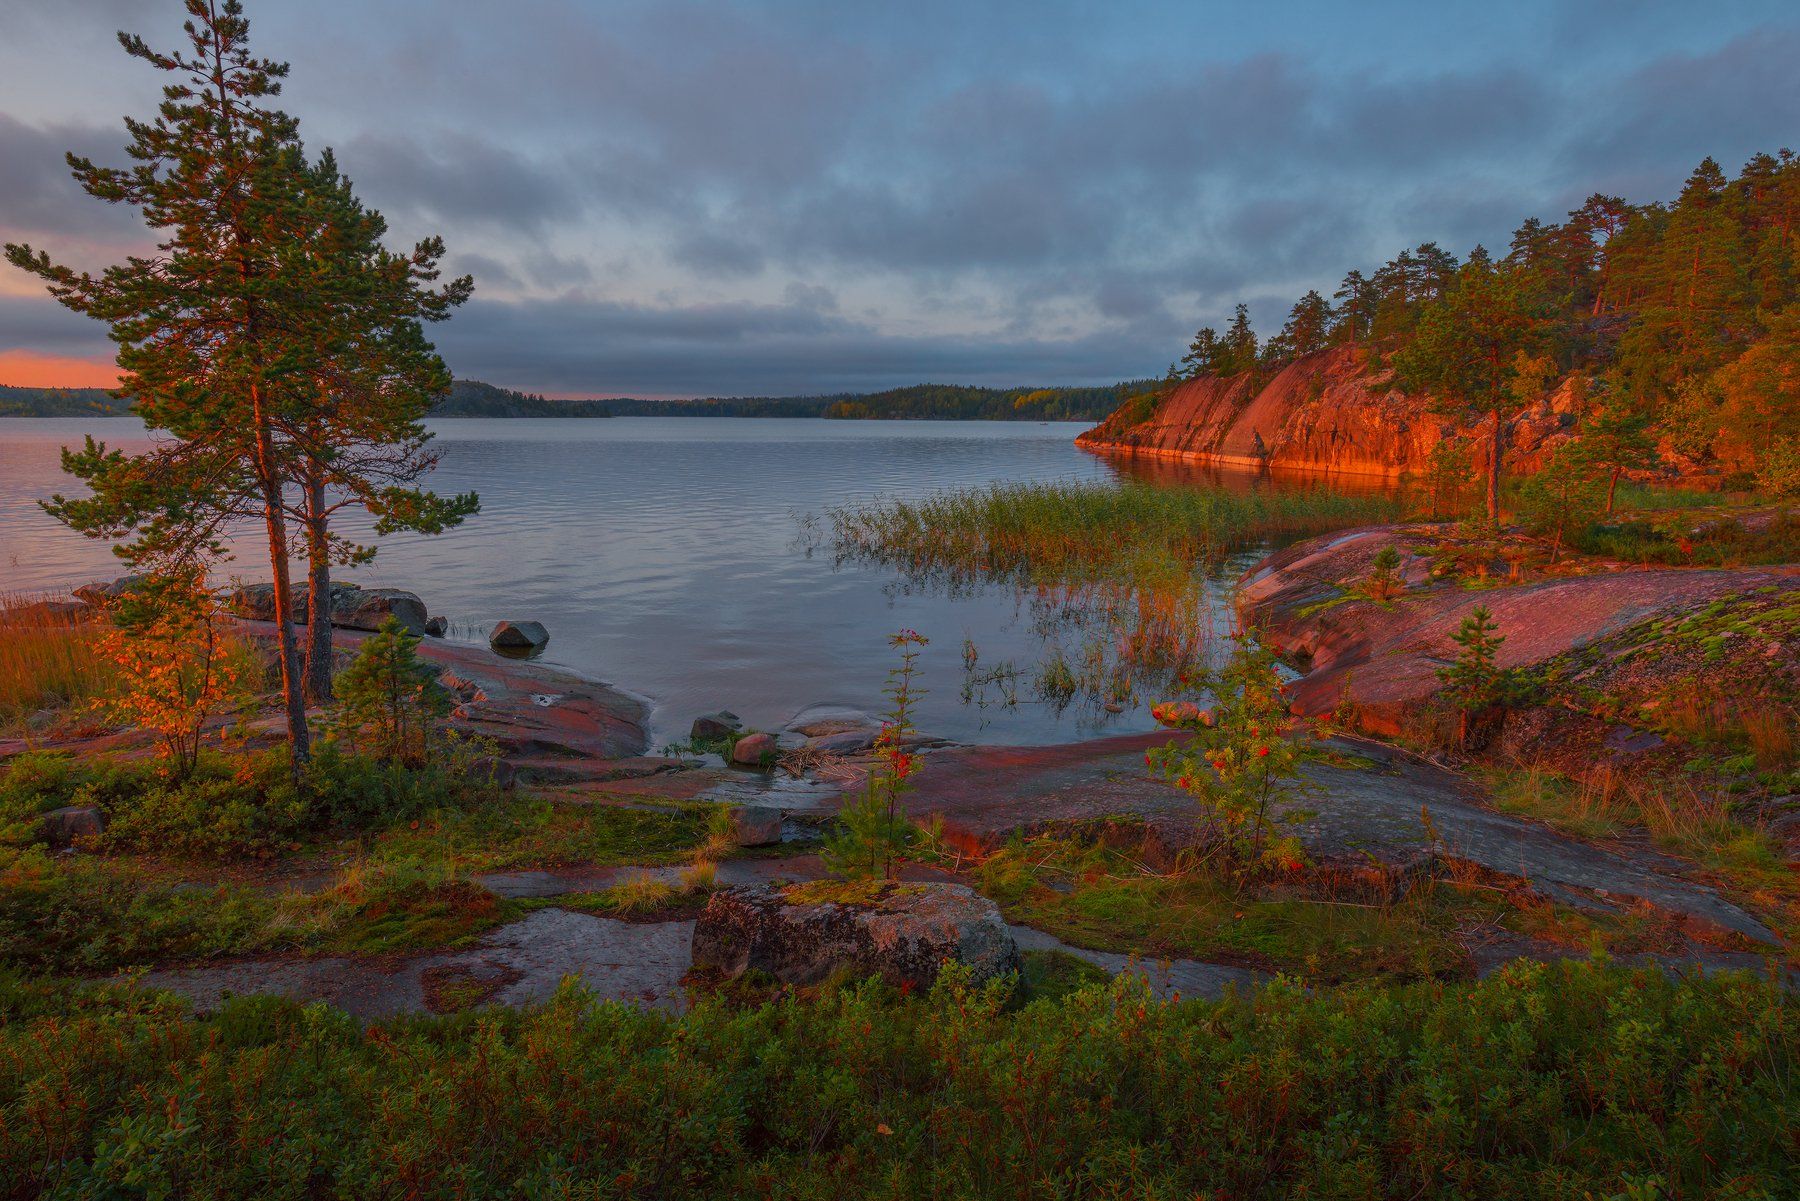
(685, 199)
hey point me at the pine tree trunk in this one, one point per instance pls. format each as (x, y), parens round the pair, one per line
(318, 634)
(1612, 487)
(275, 520)
(1493, 480)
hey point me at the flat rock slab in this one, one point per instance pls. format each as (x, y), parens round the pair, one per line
(1384, 659)
(985, 794)
(1168, 979)
(542, 716)
(641, 963)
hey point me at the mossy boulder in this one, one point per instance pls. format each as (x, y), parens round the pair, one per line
(805, 933)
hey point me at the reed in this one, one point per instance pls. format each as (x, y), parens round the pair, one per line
(49, 659)
(1076, 531)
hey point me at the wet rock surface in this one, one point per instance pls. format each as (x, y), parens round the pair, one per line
(1349, 814)
(1168, 979)
(624, 961)
(903, 931)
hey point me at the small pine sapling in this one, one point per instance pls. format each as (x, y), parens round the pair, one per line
(388, 699)
(1475, 682)
(1384, 582)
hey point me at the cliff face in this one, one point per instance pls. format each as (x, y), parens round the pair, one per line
(1325, 412)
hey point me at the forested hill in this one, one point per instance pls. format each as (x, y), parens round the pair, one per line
(59, 402)
(471, 398)
(1671, 330)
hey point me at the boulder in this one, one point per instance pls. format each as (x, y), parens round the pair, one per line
(494, 771)
(367, 608)
(850, 742)
(62, 827)
(518, 636)
(352, 607)
(713, 727)
(102, 592)
(822, 721)
(803, 933)
(754, 750)
(755, 826)
(437, 627)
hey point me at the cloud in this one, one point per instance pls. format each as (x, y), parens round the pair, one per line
(670, 197)
(576, 346)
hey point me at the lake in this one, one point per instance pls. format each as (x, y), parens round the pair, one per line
(670, 557)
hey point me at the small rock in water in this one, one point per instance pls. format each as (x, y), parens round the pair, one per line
(753, 750)
(437, 627)
(711, 727)
(518, 636)
(62, 827)
(755, 825)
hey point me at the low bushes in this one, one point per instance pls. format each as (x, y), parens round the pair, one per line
(229, 806)
(1573, 1080)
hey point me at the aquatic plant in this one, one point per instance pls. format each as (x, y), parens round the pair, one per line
(1067, 531)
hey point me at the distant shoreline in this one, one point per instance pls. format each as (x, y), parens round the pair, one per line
(472, 398)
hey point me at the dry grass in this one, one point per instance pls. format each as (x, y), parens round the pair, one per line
(1676, 813)
(48, 659)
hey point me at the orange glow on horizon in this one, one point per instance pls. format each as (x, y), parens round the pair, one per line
(28, 369)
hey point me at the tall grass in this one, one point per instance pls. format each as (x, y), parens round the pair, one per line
(1065, 531)
(48, 659)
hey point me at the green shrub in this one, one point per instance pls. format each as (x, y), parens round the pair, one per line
(1564, 1081)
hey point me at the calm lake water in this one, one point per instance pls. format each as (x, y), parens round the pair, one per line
(668, 556)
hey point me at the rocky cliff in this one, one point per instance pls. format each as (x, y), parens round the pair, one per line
(1329, 411)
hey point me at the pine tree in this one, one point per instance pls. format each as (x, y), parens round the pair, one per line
(1475, 683)
(1308, 325)
(1469, 349)
(1237, 349)
(389, 698)
(358, 427)
(211, 326)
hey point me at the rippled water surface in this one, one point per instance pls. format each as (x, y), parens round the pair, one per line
(666, 555)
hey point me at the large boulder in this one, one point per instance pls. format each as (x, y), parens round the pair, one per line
(715, 727)
(518, 636)
(803, 933)
(754, 750)
(102, 593)
(64, 827)
(352, 607)
(755, 825)
(367, 608)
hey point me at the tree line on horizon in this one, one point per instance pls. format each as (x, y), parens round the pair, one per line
(1678, 322)
(473, 398)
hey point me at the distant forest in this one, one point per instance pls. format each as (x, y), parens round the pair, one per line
(471, 398)
(1679, 321)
